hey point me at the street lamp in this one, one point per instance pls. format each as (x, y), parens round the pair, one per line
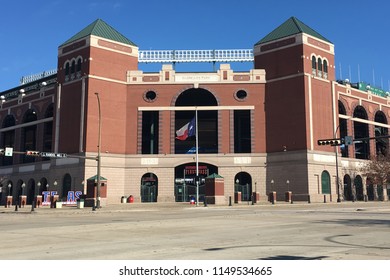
(288, 185)
(98, 159)
(23, 186)
(39, 187)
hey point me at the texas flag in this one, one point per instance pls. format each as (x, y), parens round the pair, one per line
(186, 131)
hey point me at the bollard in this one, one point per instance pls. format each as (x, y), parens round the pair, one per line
(205, 202)
(324, 198)
(292, 200)
(230, 201)
(16, 206)
(308, 199)
(33, 206)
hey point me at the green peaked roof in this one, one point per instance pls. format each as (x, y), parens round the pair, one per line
(101, 29)
(214, 175)
(94, 178)
(290, 27)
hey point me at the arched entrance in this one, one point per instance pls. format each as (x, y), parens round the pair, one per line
(370, 189)
(325, 182)
(30, 191)
(243, 184)
(149, 187)
(66, 186)
(358, 182)
(185, 184)
(347, 188)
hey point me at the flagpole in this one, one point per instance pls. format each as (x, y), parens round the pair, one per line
(196, 156)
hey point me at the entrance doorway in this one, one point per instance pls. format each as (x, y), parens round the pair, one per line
(149, 188)
(243, 184)
(185, 184)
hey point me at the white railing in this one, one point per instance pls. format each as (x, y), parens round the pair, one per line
(173, 56)
(34, 77)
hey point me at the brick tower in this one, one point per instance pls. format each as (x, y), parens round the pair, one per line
(299, 104)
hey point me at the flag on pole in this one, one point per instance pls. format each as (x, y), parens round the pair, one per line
(188, 130)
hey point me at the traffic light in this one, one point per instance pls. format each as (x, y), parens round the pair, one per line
(332, 142)
(33, 153)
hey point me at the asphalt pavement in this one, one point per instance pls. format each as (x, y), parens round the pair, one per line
(181, 231)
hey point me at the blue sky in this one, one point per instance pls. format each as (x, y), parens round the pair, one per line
(31, 31)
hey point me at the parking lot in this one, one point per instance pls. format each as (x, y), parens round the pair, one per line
(328, 231)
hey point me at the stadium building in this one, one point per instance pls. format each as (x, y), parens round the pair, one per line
(98, 126)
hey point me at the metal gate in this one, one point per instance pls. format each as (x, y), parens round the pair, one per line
(148, 192)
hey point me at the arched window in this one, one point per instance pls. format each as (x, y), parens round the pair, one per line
(325, 182)
(67, 69)
(381, 144)
(343, 127)
(314, 65)
(319, 67)
(78, 69)
(8, 138)
(362, 147)
(48, 130)
(325, 69)
(29, 134)
(73, 68)
(207, 122)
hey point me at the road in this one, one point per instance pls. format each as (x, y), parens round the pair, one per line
(348, 231)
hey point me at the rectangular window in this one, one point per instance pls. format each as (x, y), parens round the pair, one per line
(242, 131)
(150, 120)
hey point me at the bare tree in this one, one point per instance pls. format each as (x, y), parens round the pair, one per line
(378, 169)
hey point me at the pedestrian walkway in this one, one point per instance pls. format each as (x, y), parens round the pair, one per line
(165, 206)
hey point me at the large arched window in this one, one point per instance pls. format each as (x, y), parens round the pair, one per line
(381, 144)
(48, 130)
(8, 138)
(29, 134)
(207, 122)
(343, 127)
(362, 146)
(325, 182)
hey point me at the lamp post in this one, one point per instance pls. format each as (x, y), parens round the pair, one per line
(272, 192)
(39, 186)
(98, 159)
(9, 189)
(23, 186)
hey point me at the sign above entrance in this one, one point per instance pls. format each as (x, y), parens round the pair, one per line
(190, 78)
